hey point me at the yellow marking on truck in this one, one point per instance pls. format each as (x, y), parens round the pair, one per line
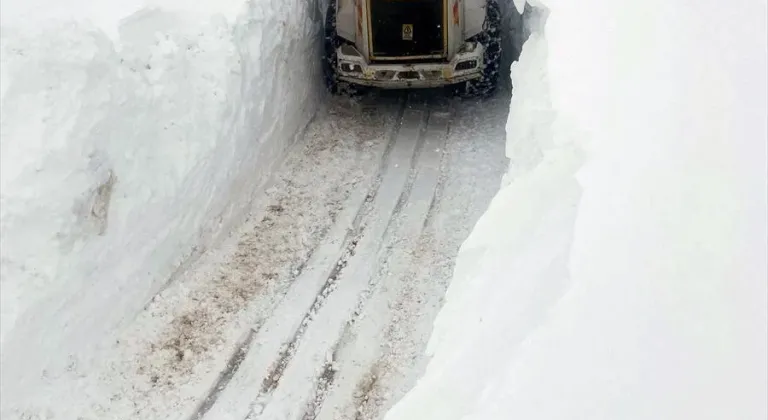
(445, 27)
(407, 32)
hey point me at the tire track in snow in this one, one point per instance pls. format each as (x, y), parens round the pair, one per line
(413, 205)
(233, 364)
(308, 367)
(272, 379)
(419, 204)
(260, 370)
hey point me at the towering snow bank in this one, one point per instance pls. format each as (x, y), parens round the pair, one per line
(621, 271)
(133, 136)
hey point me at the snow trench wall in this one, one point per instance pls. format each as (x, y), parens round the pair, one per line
(620, 272)
(133, 136)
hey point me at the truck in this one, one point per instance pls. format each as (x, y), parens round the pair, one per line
(407, 44)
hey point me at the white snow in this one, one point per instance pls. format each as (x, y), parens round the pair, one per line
(134, 134)
(620, 273)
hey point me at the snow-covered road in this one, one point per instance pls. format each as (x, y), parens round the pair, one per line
(191, 229)
(321, 305)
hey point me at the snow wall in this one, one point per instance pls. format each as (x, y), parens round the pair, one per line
(620, 273)
(134, 134)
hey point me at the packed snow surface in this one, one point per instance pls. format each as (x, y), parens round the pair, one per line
(620, 273)
(134, 135)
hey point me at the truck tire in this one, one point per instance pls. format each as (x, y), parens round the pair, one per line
(490, 38)
(331, 42)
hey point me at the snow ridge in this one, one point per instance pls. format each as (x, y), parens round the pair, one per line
(127, 150)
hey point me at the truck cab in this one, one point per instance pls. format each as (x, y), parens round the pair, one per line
(402, 44)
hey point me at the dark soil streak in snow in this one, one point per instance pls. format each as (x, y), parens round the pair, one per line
(365, 397)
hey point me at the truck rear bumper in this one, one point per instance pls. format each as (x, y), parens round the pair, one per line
(466, 65)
